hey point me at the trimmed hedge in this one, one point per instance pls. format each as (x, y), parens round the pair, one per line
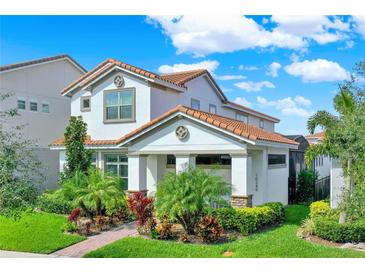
(332, 230)
(249, 220)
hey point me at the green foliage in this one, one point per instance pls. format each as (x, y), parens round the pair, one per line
(52, 202)
(353, 203)
(306, 229)
(78, 157)
(249, 220)
(209, 230)
(20, 170)
(183, 197)
(319, 209)
(305, 185)
(344, 133)
(332, 230)
(69, 227)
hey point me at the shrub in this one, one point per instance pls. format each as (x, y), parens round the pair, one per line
(209, 230)
(306, 229)
(353, 203)
(249, 220)
(306, 179)
(164, 230)
(184, 196)
(141, 207)
(332, 230)
(52, 202)
(319, 208)
(69, 227)
(74, 215)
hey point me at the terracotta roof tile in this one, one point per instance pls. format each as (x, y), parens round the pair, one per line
(239, 128)
(184, 76)
(39, 61)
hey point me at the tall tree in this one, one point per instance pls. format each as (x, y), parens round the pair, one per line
(77, 156)
(344, 132)
(20, 170)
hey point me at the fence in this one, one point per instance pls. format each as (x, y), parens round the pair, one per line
(322, 188)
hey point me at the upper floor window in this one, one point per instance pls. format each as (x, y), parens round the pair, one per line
(45, 108)
(119, 105)
(241, 117)
(212, 108)
(85, 103)
(21, 104)
(261, 123)
(33, 106)
(195, 103)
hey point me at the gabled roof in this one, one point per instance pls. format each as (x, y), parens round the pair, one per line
(41, 61)
(230, 125)
(318, 135)
(183, 76)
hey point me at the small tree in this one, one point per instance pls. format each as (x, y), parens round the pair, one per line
(183, 197)
(78, 157)
(305, 186)
(20, 170)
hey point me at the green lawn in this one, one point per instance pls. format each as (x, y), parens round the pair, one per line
(278, 242)
(35, 232)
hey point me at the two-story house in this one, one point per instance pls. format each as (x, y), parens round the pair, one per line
(35, 91)
(142, 124)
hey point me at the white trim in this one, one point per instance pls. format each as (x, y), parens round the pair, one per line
(42, 63)
(251, 112)
(276, 144)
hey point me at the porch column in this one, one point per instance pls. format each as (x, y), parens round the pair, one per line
(184, 162)
(152, 173)
(240, 181)
(100, 160)
(137, 165)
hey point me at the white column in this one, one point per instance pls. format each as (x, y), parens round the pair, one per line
(264, 169)
(62, 160)
(137, 165)
(184, 162)
(152, 173)
(240, 174)
(100, 160)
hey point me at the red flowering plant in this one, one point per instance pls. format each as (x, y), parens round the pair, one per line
(141, 207)
(75, 213)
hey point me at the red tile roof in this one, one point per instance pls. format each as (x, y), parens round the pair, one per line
(39, 61)
(318, 135)
(236, 127)
(182, 77)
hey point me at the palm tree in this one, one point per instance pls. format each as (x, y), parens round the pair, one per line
(183, 197)
(344, 133)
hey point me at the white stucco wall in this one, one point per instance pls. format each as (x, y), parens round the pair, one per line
(277, 182)
(337, 182)
(94, 118)
(325, 169)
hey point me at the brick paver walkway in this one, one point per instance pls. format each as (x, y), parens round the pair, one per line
(97, 241)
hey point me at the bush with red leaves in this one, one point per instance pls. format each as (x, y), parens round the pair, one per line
(209, 230)
(141, 207)
(74, 214)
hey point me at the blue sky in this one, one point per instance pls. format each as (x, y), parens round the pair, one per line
(288, 67)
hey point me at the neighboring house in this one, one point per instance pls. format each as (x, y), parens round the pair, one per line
(142, 124)
(321, 164)
(35, 87)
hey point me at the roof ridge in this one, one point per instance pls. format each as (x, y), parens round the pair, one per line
(39, 61)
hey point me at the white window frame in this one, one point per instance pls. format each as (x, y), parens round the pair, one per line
(120, 120)
(196, 101)
(240, 114)
(49, 109)
(82, 99)
(118, 163)
(30, 105)
(212, 106)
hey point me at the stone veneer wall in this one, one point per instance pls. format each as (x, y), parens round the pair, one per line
(241, 201)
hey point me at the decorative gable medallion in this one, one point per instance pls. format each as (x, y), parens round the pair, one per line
(181, 132)
(119, 81)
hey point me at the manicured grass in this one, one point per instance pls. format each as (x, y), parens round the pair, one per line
(277, 242)
(35, 232)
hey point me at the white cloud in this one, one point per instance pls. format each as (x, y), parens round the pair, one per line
(250, 86)
(242, 101)
(248, 68)
(206, 34)
(319, 70)
(273, 69)
(360, 24)
(230, 77)
(288, 106)
(208, 64)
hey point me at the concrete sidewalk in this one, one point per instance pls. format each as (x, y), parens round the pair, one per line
(16, 254)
